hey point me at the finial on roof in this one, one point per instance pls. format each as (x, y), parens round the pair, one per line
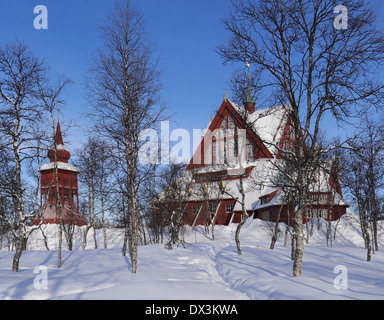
(249, 98)
(225, 96)
(249, 102)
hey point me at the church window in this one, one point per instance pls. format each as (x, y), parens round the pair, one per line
(250, 153)
(215, 152)
(231, 126)
(323, 213)
(264, 200)
(195, 209)
(229, 207)
(208, 154)
(323, 197)
(212, 207)
(224, 127)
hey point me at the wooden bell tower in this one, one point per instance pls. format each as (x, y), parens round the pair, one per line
(59, 189)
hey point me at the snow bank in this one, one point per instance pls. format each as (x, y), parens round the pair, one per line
(203, 270)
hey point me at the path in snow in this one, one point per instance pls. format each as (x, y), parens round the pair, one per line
(105, 274)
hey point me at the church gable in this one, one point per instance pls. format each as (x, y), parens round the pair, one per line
(224, 140)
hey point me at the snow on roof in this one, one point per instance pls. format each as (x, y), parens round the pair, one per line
(60, 165)
(59, 147)
(267, 123)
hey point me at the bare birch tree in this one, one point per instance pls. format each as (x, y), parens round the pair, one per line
(96, 164)
(88, 161)
(363, 174)
(123, 85)
(20, 71)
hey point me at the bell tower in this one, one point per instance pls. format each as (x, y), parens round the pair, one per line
(59, 189)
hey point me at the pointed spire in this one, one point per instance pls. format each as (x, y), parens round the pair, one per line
(58, 136)
(249, 98)
(62, 153)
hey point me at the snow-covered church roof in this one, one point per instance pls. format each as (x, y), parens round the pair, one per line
(267, 123)
(60, 165)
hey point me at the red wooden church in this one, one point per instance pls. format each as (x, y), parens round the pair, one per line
(218, 161)
(61, 188)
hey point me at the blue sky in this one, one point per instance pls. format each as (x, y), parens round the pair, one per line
(186, 33)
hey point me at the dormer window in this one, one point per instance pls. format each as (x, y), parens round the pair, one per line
(268, 197)
(264, 200)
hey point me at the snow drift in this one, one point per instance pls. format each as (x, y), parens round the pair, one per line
(203, 270)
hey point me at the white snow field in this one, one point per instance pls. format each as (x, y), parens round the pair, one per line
(204, 270)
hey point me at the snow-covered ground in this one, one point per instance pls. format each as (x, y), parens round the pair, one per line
(204, 270)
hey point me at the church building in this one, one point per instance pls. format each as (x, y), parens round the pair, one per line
(243, 141)
(59, 192)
